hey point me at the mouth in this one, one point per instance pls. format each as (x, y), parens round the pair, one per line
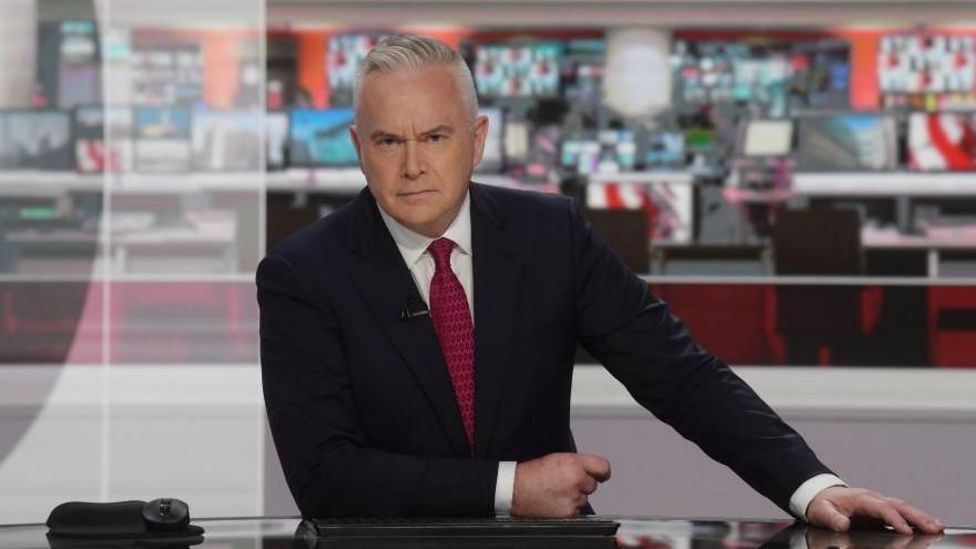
(416, 197)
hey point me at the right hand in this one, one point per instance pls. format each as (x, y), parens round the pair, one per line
(557, 485)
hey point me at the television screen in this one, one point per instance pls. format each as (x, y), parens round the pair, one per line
(493, 159)
(611, 151)
(321, 138)
(942, 141)
(227, 140)
(98, 150)
(847, 142)
(529, 70)
(162, 123)
(38, 140)
(516, 141)
(664, 150)
(580, 156)
(343, 55)
(276, 135)
(767, 138)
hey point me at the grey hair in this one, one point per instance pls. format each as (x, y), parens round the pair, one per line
(411, 51)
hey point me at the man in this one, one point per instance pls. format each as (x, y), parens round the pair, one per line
(417, 345)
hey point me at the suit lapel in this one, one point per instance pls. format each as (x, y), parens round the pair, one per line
(385, 283)
(497, 274)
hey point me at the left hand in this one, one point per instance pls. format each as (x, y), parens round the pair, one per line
(834, 508)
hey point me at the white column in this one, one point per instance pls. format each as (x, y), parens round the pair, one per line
(18, 27)
(638, 72)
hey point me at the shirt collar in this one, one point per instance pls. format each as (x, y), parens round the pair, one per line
(412, 245)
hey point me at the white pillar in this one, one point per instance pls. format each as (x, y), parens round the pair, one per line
(638, 73)
(18, 27)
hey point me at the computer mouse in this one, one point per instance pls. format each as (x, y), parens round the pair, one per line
(166, 515)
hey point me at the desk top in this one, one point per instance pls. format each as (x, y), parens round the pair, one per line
(637, 533)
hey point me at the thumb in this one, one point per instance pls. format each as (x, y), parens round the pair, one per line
(595, 466)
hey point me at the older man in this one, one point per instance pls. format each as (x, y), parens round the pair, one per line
(417, 346)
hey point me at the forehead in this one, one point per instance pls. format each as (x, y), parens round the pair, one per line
(426, 95)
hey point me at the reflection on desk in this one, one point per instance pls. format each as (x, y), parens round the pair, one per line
(636, 533)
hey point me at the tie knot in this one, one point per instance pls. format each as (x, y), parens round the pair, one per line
(440, 250)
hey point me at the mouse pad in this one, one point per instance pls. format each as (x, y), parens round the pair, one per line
(107, 521)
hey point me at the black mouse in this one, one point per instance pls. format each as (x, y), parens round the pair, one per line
(166, 515)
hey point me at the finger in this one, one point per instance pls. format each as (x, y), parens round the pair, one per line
(596, 466)
(884, 510)
(919, 518)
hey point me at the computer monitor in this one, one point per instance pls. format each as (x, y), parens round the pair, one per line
(276, 136)
(517, 70)
(767, 138)
(101, 147)
(493, 159)
(38, 139)
(664, 150)
(163, 123)
(942, 142)
(162, 143)
(847, 142)
(227, 140)
(320, 138)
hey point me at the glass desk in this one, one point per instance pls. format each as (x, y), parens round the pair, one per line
(280, 533)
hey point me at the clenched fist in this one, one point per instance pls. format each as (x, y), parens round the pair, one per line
(557, 485)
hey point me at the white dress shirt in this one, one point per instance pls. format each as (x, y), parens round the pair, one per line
(413, 248)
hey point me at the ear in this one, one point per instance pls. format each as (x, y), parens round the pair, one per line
(354, 134)
(480, 135)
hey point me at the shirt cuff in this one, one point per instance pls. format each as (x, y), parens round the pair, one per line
(803, 495)
(505, 488)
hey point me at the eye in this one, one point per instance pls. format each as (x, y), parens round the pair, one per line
(436, 137)
(387, 142)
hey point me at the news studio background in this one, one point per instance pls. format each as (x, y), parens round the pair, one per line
(801, 190)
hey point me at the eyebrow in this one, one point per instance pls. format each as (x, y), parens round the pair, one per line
(381, 134)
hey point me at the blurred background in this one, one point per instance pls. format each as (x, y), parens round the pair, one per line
(796, 179)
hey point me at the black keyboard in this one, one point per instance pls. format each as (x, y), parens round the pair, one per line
(458, 533)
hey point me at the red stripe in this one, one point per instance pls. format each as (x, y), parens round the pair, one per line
(955, 158)
(614, 202)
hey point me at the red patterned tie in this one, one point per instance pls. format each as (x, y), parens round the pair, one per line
(455, 331)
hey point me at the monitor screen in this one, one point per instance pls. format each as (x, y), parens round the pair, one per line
(321, 138)
(847, 142)
(98, 150)
(529, 70)
(227, 140)
(664, 150)
(516, 141)
(942, 141)
(162, 123)
(276, 135)
(493, 159)
(37, 140)
(767, 138)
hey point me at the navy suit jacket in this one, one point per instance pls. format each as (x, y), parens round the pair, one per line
(360, 403)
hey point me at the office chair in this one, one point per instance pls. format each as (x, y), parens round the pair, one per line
(821, 324)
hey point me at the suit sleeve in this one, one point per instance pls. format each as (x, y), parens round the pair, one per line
(646, 348)
(330, 469)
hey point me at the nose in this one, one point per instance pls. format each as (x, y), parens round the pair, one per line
(412, 165)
